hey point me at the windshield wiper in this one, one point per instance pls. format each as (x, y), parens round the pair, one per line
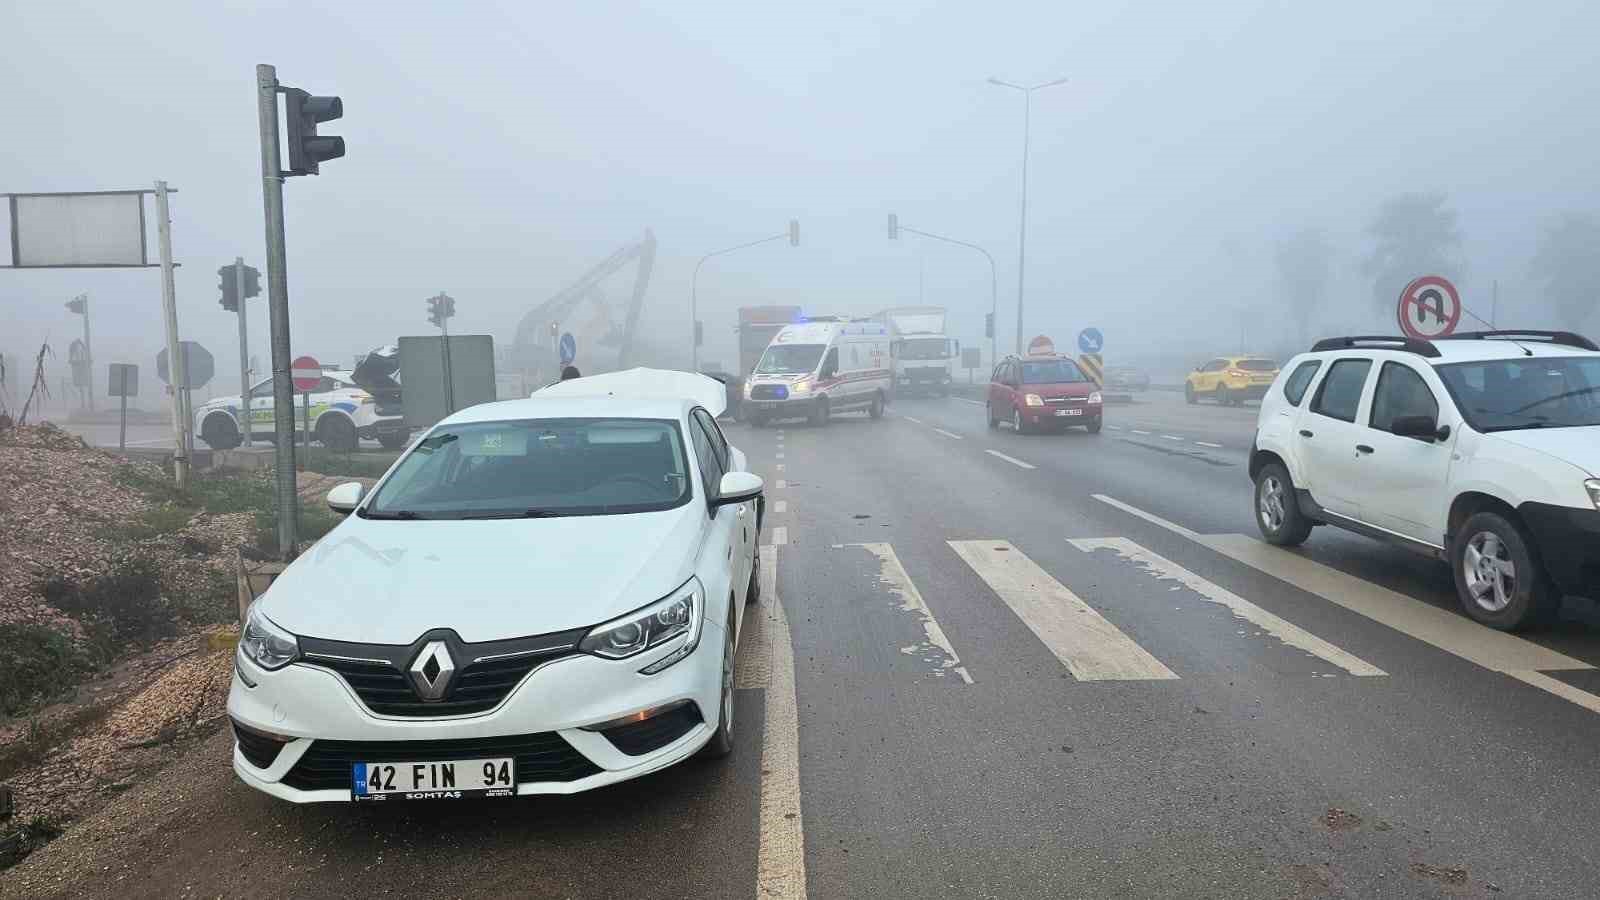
(395, 514)
(524, 514)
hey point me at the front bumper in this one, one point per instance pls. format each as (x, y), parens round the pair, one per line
(307, 704)
(794, 407)
(1046, 416)
(1568, 540)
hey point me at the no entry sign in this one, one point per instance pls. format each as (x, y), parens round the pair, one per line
(307, 374)
(1429, 308)
(1041, 346)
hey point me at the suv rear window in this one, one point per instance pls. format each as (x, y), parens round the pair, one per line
(1340, 394)
(1294, 389)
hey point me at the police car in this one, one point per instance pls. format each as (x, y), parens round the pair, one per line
(342, 413)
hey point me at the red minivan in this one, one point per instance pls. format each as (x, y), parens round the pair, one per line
(1038, 392)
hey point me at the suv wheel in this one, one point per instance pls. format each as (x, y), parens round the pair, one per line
(1277, 509)
(1498, 579)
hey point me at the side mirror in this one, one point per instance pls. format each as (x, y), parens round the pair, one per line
(346, 497)
(1420, 427)
(738, 487)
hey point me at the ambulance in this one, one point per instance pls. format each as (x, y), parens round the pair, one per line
(821, 366)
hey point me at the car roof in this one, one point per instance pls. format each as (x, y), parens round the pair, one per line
(574, 407)
(1469, 350)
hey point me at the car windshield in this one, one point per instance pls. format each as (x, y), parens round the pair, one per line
(538, 468)
(790, 359)
(1527, 392)
(924, 348)
(1256, 365)
(1054, 371)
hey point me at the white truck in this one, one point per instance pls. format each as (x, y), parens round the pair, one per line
(924, 358)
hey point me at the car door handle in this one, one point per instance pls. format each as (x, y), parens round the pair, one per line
(1363, 448)
(1305, 433)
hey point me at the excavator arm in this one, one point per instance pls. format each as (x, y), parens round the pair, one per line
(531, 347)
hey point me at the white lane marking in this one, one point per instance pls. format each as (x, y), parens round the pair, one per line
(947, 434)
(1137, 431)
(1172, 437)
(1114, 427)
(912, 419)
(1148, 517)
(1209, 444)
(973, 402)
(779, 467)
(1010, 459)
(936, 650)
(782, 484)
(781, 857)
(780, 454)
(1560, 688)
(780, 536)
(1087, 643)
(1450, 632)
(782, 506)
(1283, 630)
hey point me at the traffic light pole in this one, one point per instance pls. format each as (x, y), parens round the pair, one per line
(244, 349)
(994, 291)
(278, 310)
(88, 352)
(169, 308)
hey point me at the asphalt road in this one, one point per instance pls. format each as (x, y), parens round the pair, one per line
(1000, 665)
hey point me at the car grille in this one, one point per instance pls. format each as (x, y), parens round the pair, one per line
(1065, 401)
(769, 392)
(639, 738)
(485, 672)
(258, 749)
(545, 756)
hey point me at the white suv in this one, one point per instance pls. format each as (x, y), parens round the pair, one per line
(1482, 449)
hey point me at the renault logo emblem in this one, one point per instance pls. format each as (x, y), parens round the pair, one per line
(432, 670)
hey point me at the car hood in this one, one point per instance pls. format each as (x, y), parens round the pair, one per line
(1579, 446)
(386, 581)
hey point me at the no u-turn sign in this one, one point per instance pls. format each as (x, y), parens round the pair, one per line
(1429, 308)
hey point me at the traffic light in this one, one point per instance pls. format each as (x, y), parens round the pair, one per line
(449, 306)
(252, 282)
(77, 305)
(228, 285)
(988, 325)
(434, 312)
(302, 113)
(894, 227)
(794, 232)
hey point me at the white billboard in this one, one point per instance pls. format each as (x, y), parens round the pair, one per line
(69, 230)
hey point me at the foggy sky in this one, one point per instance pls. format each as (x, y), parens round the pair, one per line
(497, 151)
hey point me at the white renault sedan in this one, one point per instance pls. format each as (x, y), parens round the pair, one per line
(543, 596)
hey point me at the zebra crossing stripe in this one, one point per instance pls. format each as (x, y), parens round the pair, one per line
(1282, 629)
(937, 649)
(1089, 646)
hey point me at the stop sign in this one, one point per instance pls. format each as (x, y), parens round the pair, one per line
(306, 373)
(201, 366)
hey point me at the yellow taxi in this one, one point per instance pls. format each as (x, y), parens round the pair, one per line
(1231, 380)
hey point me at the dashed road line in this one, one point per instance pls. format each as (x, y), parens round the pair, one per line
(948, 434)
(781, 484)
(779, 467)
(1114, 427)
(782, 506)
(912, 419)
(1209, 444)
(1137, 431)
(973, 402)
(1010, 459)
(1147, 516)
(1086, 642)
(780, 536)
(1172, 437)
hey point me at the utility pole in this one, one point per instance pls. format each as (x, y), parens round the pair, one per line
(244, 350)
(176, 370)
(278, 311)
(1022, 230)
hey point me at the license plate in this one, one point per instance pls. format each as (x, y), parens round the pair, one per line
(1069, 412)
(449, 780)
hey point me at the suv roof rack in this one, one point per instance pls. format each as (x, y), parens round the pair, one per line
(1378, 342)
(1564, 338)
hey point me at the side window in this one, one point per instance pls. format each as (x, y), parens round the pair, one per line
(1339, 396)
(264, 389)
(1401, 392)
(1294, 388)
(706, 457)
(719, 443)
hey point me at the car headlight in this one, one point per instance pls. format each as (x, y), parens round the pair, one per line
(1095, 399)
(265, 644)
(679, 613)
(803, 386)
(747, 386)
(1593, 487)
(1033, 400)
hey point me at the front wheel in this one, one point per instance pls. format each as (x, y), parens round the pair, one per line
(819, 412)
(1224, 396)
(1188, 395)
(1499, 580)
(393, 440)
(1016, 421)
(876, 410)
(337, 433)
(1094, 427)
(721, 743)
(1278, 512)
(988, 413)
(220, 433)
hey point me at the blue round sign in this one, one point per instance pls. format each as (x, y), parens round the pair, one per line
(569, 348)
(1090, 340)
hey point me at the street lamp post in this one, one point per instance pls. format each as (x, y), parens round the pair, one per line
(793, 234)
(1022, 235)
(994, 295)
